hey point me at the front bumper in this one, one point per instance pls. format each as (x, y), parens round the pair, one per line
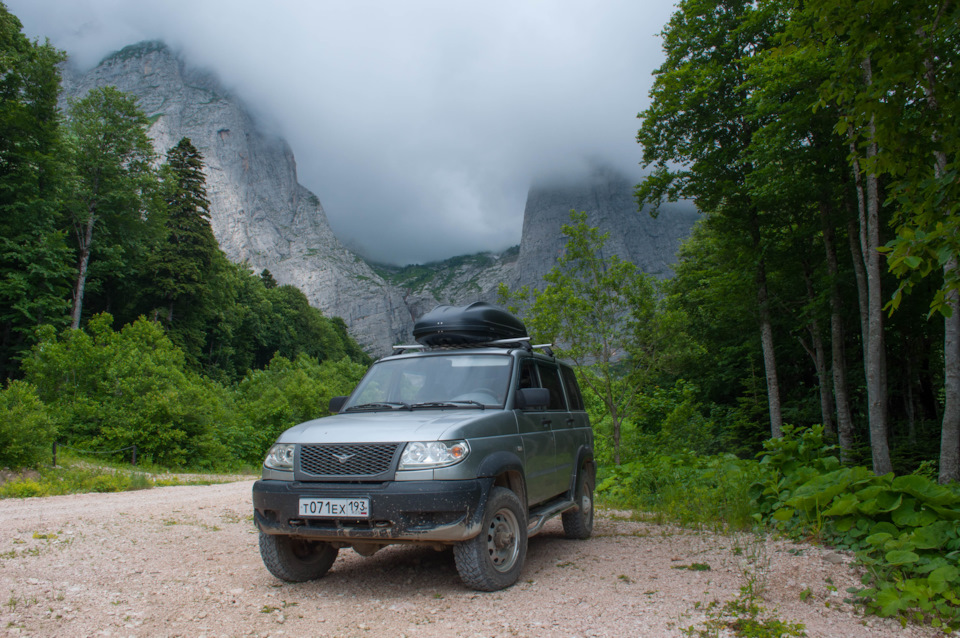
(400, 511)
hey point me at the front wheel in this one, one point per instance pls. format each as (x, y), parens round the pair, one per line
(294, 559)
(578, 522)
(494, 558)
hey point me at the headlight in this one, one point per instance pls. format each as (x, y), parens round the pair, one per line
(433, 454)
(280, 457)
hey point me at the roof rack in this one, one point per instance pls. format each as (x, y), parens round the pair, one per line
(522, 342)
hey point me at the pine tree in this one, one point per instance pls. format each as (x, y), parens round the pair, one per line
(185, 258)
(185, 262)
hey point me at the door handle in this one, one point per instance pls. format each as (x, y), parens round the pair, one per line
(545, 422)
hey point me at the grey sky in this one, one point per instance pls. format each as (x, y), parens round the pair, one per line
(418, 124)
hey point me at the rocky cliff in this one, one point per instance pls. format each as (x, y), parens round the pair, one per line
(607, 198)
(261, 215)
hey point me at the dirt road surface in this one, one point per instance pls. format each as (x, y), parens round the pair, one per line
(183, 561)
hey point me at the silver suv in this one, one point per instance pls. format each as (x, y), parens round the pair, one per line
(474, 447)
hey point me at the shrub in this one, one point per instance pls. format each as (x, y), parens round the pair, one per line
(26, 428)
(112, 390)
(282, 395)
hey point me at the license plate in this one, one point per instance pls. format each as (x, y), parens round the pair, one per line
(335, 507)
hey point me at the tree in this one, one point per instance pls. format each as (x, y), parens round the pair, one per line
(899, 114)
(34, 258)
(111, 177)
(697, 130)
(185, 258)
(599, 311)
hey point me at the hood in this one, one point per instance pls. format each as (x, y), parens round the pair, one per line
(383, 427)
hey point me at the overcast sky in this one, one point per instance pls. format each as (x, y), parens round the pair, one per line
(418, 124)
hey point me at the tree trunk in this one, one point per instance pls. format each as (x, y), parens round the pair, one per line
(816, 352)
(950, 429)
(876, 353)
(868, 197)
(838, 358)
(84, 242)
(769, 357)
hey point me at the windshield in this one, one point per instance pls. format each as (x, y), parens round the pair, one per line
(434, 381)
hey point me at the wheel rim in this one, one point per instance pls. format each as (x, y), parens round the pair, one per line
(586, 507)
(503, 540)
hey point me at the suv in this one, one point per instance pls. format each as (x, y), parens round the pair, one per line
(471, 439)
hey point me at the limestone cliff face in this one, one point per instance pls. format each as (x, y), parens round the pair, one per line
(259, 212)
(262, 216)
(607, 198)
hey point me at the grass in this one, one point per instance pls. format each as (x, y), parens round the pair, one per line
(76, 475)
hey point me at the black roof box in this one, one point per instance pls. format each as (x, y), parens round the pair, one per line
(477, 323)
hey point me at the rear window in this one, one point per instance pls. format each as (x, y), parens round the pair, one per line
(574, 398)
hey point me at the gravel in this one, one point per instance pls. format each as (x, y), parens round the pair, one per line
(183, 561)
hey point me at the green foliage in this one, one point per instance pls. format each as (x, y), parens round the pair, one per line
(112, 389)
(283, 394)
(601, 312)
(110, 183)
(684, 488)
(182, 265)
(34, 260)
(26, 428)
(75, 476)
(904, 529)
(746, 619)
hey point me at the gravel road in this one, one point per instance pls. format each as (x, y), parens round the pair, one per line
(183, 561)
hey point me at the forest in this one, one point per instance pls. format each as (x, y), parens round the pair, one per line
(121, 321)
(819, 139)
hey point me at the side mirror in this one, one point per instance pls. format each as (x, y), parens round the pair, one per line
(336, 404)
(531, 398)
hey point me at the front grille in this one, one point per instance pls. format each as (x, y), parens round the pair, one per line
(355, 460)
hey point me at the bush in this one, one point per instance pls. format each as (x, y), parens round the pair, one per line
(26, 428)
(112, 390)
(903, 528)
(282, 395)
(684, 488)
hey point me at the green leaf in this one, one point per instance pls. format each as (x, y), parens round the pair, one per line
(783, 514)
(902, 557)
(842, 506)
(932, 536)
(889, 602)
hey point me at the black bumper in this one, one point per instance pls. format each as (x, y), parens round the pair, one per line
(444, 511)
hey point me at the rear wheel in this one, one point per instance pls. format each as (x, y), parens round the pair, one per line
(494, 558)
(578, 522)
(294, 559)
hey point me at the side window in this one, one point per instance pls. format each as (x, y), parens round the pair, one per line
(573, 390)
(528, 375)
(550, 379)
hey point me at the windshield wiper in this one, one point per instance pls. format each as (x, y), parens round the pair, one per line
(448, 404)
(390, 405)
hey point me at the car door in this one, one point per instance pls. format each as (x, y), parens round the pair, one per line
(539, 447)
(562, 425)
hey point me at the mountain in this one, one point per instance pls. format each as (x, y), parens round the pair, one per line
(607, 197)
(262, 216)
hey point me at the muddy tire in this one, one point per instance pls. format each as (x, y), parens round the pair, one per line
(578, 522)
(494, 558)
(296, 560)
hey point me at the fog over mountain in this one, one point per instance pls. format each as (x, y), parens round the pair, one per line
(263, 216)
(421, 124)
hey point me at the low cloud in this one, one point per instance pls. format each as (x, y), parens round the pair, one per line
(419, 125)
